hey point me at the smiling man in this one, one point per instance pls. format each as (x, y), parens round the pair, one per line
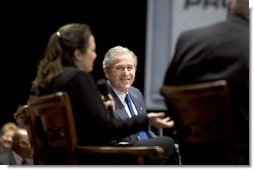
(119, 66)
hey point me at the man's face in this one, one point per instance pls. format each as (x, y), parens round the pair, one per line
(6, 139)
(122, 74)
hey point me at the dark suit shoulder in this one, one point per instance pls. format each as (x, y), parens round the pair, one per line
(134, 90)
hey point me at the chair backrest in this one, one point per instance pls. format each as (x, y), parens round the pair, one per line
(55, 128)
(26, 120)
(49, 120)
(201, 112)
(23, 120)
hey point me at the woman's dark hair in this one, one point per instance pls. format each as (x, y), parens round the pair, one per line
(60, 52)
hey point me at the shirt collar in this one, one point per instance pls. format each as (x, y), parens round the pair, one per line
(120, 94)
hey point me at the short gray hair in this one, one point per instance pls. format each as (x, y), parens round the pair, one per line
(117, 50)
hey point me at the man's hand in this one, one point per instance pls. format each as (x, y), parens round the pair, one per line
(159, 120)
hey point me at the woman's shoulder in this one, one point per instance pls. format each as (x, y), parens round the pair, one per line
(72, 73)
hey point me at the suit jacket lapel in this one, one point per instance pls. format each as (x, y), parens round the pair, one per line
(138, 104)
(122, 114)
(12, 159)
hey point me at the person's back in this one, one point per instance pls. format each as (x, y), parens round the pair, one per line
(218, 51)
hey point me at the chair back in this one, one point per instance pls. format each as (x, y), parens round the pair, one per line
(55, 128)
(201, 112)
(25, 120)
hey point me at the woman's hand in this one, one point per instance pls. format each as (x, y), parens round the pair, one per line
(109, 103)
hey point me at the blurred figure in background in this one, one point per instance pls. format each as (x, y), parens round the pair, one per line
(219, 51)
(20, 152)
(6, 135)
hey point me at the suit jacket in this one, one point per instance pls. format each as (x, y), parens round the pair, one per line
(93, 123)
(7, 158)
(138, 100)
(218, 51)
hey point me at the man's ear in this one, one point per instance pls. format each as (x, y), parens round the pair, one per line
(106, 72)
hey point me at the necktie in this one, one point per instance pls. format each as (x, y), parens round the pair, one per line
(142, 135)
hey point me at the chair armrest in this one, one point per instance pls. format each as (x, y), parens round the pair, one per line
(140, 151)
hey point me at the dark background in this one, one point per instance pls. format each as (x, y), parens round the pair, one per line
(26, 27)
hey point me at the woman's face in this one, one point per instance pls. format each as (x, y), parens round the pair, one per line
(85, 61)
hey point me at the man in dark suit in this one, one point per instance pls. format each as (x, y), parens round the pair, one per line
(21, 151)
(120, 66)
(218, 51)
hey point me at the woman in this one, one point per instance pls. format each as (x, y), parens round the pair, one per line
(66, 64)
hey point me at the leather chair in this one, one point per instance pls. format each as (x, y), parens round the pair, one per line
(202, 114)
(51, 128)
